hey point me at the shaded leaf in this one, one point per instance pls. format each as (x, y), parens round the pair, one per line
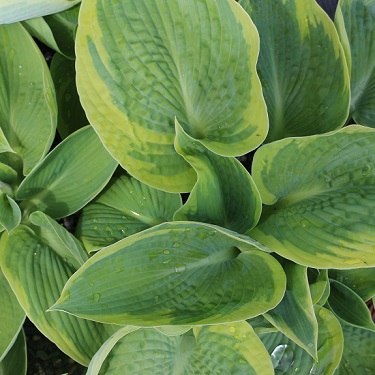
(177, 273)
(319, 285)
(10, 213)
(15, 361)
(321, 196)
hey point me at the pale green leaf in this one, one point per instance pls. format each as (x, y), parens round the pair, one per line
(37, 276)
(19, 10)
(71, 115)
(165, 59)
(321, 196)
(355, 24)
(15, 361)
(359, 351)
(361, 281)
(28, 111)
(224, 194)
(294, 316)
(11, 316)
(70, 176)
(125, 207)
(288, 358)
(301, 66)
(4, 145)
(177, 273)
(227, 349)
(10, 213)
(349, 307)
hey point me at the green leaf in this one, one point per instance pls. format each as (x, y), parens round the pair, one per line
(58, 238)
(71, 175)
(19, 10)
(10, 213)
(349, 307)
(294, 316)
(301, 66)
(177, 273)
(190, 60)
(125, 207)
(319, 285)
(288, 358)
(359, 351)
(361, 281)
(28, 111)
(15, 361)
(226, 348)
(225, 193)
(37, 275)
(321, 196)
(71, 115)
(4, 145)
(57, 31)
(355, 23)
(7, 176)
(11, 317)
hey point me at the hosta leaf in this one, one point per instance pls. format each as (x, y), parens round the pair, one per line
(294, 316)
(125, 207)
(355, 23)
(319, 285)
(227, 348)
(288, 358)
(7, 176)
(349, 307)
(11, 316)
(165, 59)
(37, 275)
(177, 273)
(58, 238)
(56, 31)
(70, 176)
(19, 10)
(10, 213)
(361, 281)
(15, 361)
(71, 115)
(302, 67)
(4, 145)
(225, 193)
(28, 110)
(359, 351)
(321, 192)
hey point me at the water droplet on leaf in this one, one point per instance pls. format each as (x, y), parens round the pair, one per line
(166, 252)
(282, 358)
(96, 297)
(180, 268)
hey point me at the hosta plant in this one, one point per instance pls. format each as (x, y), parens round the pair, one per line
(220, 157)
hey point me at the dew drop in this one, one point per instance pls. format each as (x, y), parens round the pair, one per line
(91, 284)
(232, 329)
(96, 297)
(310, 345)
(11, 54)
(305, 223)
(167, 261)
(20, 66)
(282, 358)
(95, 227)
(176, 245)
(180, 268)
(297, 370)
(166, 252)
(31, 83)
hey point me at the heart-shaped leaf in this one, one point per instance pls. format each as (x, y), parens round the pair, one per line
(302, 67)
(225, 193)
(71, 175)
(28, 111)
(227, 348)
(165, 59)
(37, 275)
(321, 196)
(177, 273)
(125, 207)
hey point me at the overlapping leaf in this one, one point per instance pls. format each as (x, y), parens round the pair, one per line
(15, 362)
(70, 176)
(319, 285)
(10, 213)
(321, 196)
(227, 348)
(37, 275)
(126, 207)
(355, 21)
(28, 111)
(302, 67)
(177, 273)
(142, 63)
(225, 193)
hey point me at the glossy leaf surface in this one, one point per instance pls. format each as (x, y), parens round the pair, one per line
(321, 196)
(224, 194)
(302, 67)
(70, 176)
(176, 274)
(28, 110)
(125, 207)
(161, 60)
(37, 274)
